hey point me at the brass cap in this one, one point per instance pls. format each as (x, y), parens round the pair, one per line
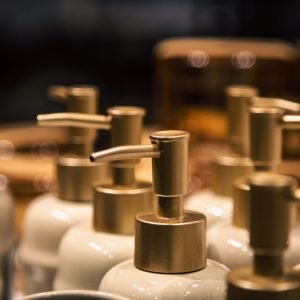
(268, 116)
(226, 169)
(116, 206)
(241, 203)
(270, 197)
(169, 240)
(265, 136)
(244, 285)
(238, 102)
(166, 245)
(76, 176)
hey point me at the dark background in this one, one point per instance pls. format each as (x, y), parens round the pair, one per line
(109, 44)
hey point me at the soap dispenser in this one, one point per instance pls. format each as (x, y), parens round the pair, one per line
(88, 250)
(170, 252)
(228, 242)
(50, 215)
(270, 198)
(7, 242)
(216, 203)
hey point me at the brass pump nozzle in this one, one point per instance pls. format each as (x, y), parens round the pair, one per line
(268, 117)
(229, 166)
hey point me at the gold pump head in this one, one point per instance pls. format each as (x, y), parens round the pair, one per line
(238, 100)
(268, 117)
(228, 167)
(169, 240)
(116, 204)
(79, 99)
(270, 196)
(75, 173)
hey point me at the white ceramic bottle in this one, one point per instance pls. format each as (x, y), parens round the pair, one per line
(228, 241)
(216, 203)
(75, 295)
(270, 197)
(50, 215)
(7, 243)
(170, 251)
(89, 250)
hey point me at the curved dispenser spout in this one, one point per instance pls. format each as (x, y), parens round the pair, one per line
(270, 197)
(79, 99)
(169, 240)
(268, 117)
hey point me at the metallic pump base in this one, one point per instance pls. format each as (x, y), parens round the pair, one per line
(76, 175)
(166, 245)
(244, 285)
(226, 169)
(116, 206)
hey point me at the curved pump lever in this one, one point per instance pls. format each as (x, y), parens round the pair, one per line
(125, 152)
(290, 121)
(288, 106)
(75, 120)
(287, 121)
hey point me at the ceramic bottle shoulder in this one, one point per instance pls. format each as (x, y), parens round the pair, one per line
(215, 207)
(208, 283)
(82, 265)
(45, 222)
(229, 245)
(48, 210)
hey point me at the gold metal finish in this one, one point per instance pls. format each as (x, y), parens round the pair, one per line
(270, 196)
(75, 120)
(244, 285)
(265, 137)
(226, 168)
(75, 173)
(266, 124)
(76, 176)
(116, 204)
(124, 152)
(291, 122)
(241, 203)
(238, 101)
(166, 245)
(79, 99)
(266, 102)
(268, 116)
(169, 240)
(266, 134)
